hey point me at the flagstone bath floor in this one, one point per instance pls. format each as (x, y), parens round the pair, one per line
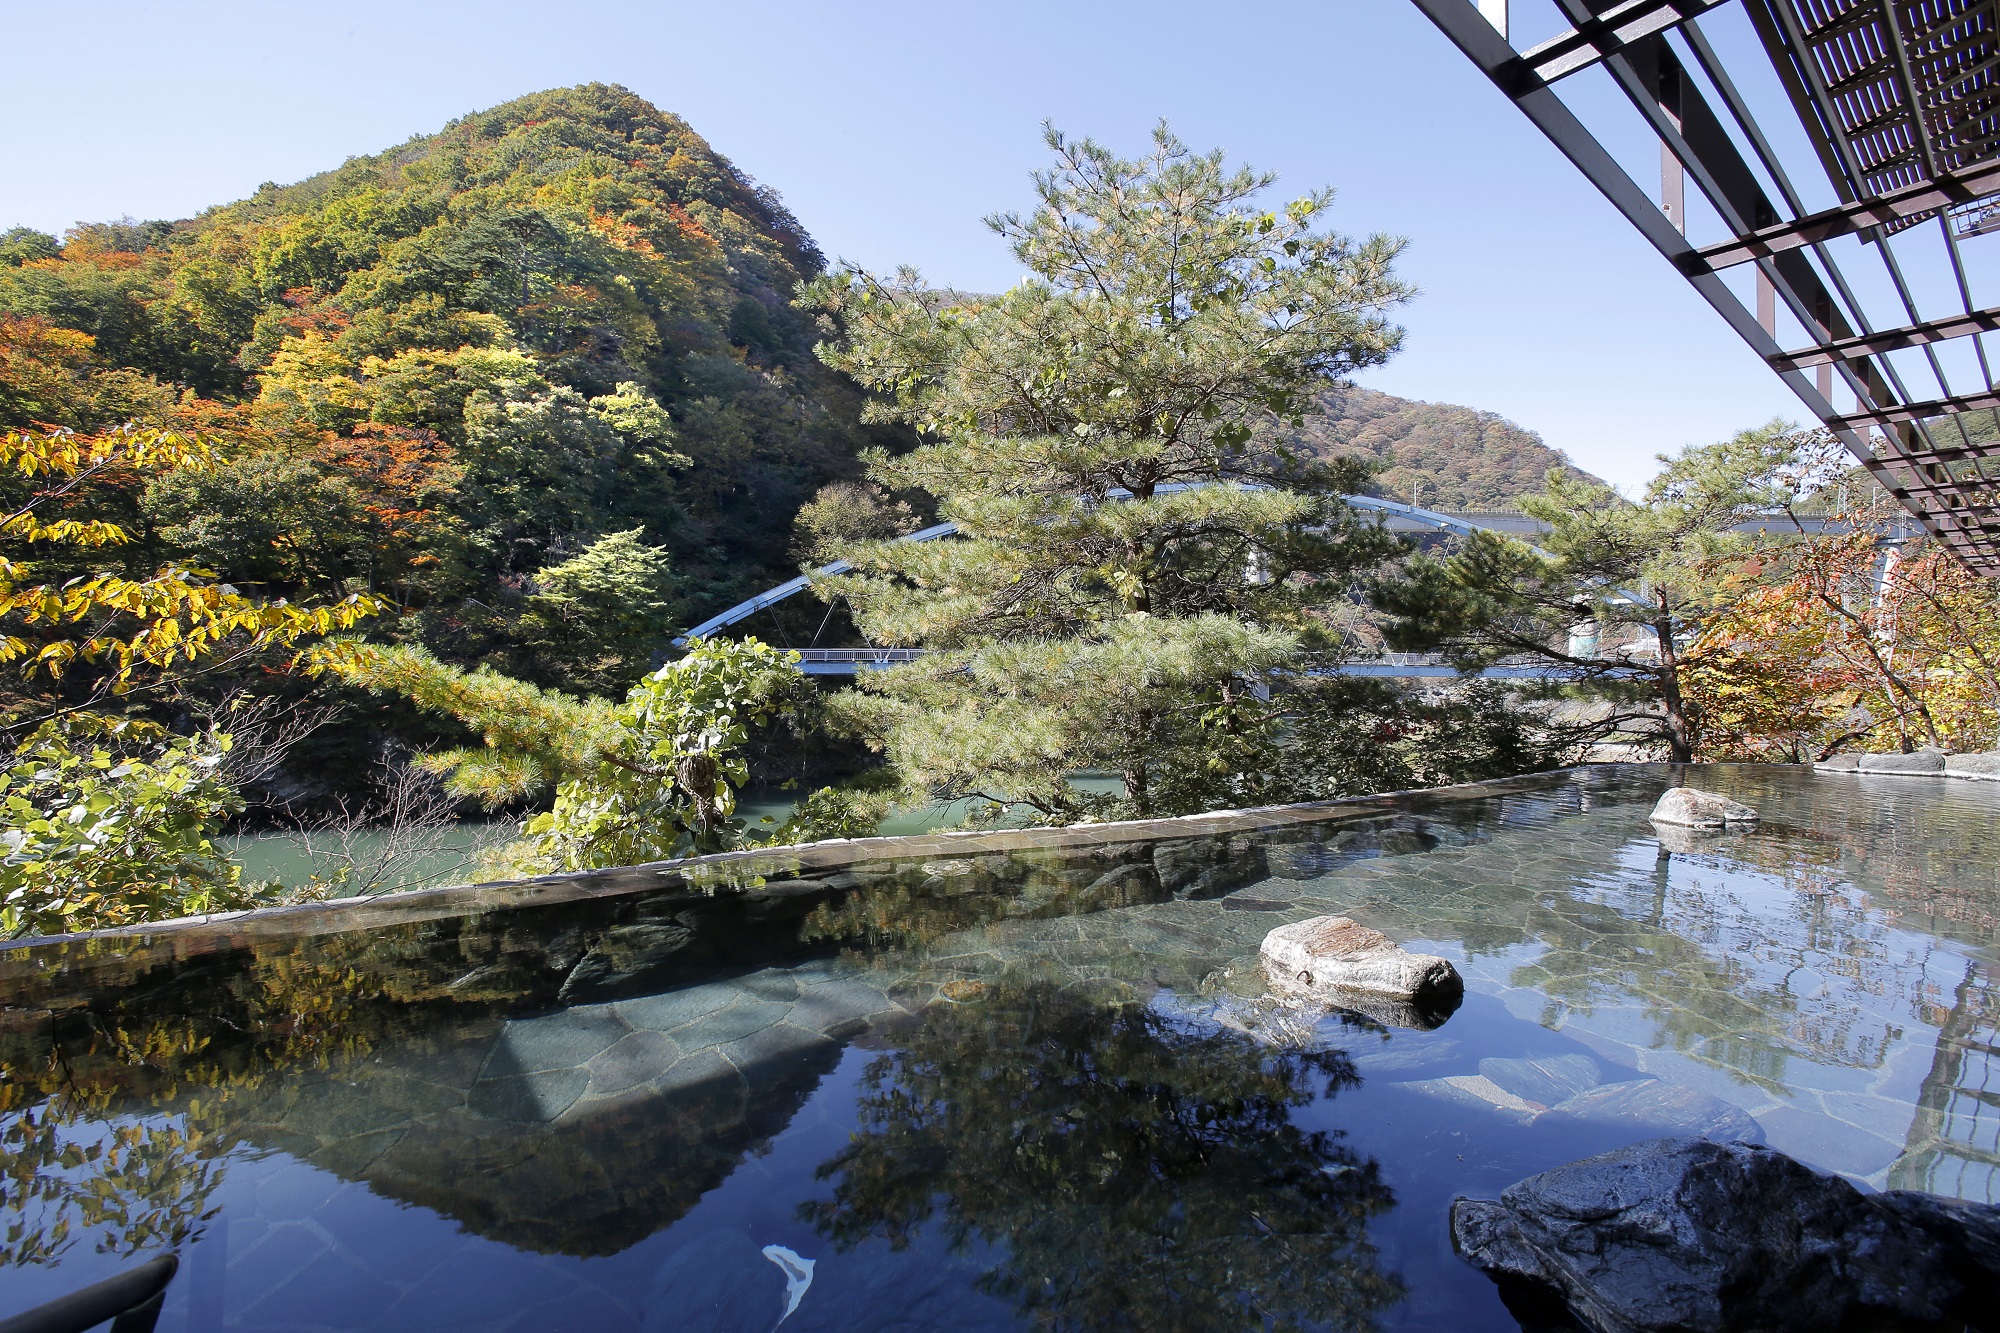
(966, 1083)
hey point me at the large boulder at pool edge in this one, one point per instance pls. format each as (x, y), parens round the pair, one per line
(1680, 1235)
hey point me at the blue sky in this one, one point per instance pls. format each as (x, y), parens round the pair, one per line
(891, 128)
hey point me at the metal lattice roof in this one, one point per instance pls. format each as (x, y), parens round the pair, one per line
(1900, 102)
(1903, 91)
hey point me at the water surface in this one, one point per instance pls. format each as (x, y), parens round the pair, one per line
(990, 1089)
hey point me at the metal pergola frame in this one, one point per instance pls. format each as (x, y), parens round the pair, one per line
(1900, 100)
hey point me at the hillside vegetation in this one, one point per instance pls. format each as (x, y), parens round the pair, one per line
(1437, 454)
(509, 405)
(535, 376)
(536, 382)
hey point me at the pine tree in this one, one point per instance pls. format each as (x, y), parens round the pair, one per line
(1616, 591)
(1143, 576)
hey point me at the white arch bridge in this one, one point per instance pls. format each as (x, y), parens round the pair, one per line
(1395, 516)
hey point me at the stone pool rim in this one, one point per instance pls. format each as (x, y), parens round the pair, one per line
(223, 930)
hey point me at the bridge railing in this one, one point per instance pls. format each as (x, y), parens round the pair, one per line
(851, 661)
(845, 661)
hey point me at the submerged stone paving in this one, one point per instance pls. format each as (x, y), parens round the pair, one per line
(572, 1073)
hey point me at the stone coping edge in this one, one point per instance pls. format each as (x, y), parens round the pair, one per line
(1960, 773)
(191, 935)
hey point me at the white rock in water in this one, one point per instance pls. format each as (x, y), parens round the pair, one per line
(1700, 809)
(1478, 1092)
(1974, 766)
(1338, 953)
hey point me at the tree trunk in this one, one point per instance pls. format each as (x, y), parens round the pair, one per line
(1893, 683)
(1680, 729)
(1135, 790)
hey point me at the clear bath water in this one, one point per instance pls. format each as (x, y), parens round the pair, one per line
(995, 1089)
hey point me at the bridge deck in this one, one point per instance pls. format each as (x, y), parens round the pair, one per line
(1394, 515)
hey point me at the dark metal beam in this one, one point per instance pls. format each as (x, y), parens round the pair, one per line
(1645, 67)
(1882, 417)
(1711, 157)
(1962, 453)
(1890, 340)
(1697, 139)
(1948, 190)
(1610, 32)
(1489, 52)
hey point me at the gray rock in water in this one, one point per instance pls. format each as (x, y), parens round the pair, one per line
(1840, 763)
(1985, 766)
(1700, 809)
(1303, 860)
(1688, 841)
(1296, 1018)
(1207, 867)
(1422, 1013)
(1334, 954)
(1923, 761)
(1686, 1234)
(623, 955)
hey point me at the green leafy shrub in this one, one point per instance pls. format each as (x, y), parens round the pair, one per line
(666, 784)
(648, 779)
(108, 824)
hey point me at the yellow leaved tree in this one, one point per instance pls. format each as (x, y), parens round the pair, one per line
(109, 820)
(165, 621)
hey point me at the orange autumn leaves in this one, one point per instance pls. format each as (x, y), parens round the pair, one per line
(393, 481)
(84, 577)
(400, 476)
(1842, 643)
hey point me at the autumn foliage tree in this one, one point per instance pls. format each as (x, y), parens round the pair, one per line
(137, 632)
(573, 294)
(107, 818)
(1850, 640)
(1612, 592)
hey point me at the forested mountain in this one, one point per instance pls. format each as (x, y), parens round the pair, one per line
(536, 379)
(536, 376)
(1432, 453)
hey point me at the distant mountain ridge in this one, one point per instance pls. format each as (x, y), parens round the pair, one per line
(1434, 454)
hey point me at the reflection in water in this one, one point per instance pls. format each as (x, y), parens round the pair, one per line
(915, 904)
(580, 1130)
(1709, 968)
(1743, 952)
(1954, 1140)
(125, 1187)
(114, 1124)
(1135, 1172)
(578, 1078)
